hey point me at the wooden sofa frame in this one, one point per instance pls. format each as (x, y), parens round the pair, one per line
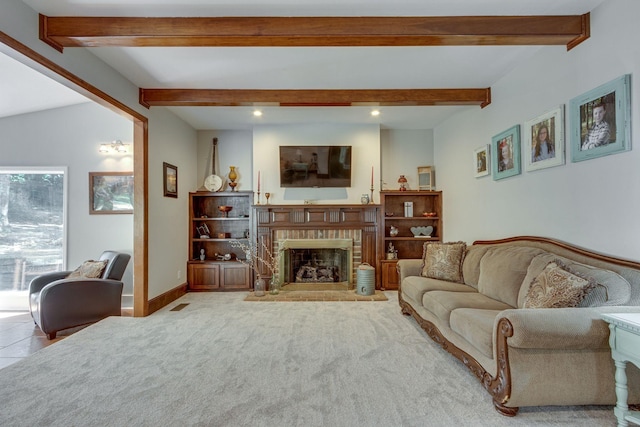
(499, 386)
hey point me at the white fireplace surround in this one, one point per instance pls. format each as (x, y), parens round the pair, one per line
(345, 244)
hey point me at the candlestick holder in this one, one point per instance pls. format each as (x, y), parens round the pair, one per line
(371, 198)
(258, 202)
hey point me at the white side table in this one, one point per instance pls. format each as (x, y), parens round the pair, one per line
(624, 340)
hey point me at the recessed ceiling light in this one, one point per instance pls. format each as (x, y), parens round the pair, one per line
(375, 113)
(257, 113)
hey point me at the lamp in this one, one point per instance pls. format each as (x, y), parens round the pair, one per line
(402, 181)
(114, 147)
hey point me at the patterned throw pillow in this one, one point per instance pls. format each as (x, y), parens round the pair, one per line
(443, 261)
(89, 269)
(557, 287)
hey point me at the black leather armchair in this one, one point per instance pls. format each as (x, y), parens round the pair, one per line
(57, 302)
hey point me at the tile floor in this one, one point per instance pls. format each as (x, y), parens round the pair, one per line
(20, 337)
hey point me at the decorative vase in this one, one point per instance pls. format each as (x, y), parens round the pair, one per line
(258, 287)
(274, 286)
(394, 231)
(232, 177)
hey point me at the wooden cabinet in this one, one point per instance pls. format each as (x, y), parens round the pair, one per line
(211, 232)
(389, 275)
(395, 214)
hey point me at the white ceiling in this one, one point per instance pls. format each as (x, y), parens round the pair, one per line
(301, 67)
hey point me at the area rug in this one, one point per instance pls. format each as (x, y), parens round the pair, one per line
(302, 295)
(220, 361)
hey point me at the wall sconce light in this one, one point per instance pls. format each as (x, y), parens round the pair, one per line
(114, 147)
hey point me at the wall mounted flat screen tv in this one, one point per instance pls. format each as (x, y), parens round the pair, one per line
(315, 166)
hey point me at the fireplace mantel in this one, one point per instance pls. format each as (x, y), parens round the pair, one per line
(324, 220)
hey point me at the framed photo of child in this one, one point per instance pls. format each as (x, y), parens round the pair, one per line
(601, 120)
(505, 148)
(482, 161)
(544, 140)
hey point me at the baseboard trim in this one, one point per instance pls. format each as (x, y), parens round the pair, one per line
(167, 298)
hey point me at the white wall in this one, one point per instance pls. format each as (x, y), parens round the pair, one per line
(71, 137)
(234, 149)
(593, 203)
(170, 140)
(402, 151)
(365, 154)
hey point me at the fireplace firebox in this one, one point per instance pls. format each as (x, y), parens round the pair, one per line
(317, 261)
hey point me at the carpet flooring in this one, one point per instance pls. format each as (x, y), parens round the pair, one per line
(221, 361)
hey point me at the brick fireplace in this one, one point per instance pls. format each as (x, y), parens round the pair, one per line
(326, 239)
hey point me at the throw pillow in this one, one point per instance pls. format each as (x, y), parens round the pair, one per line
(557, 287)
(89, 269)
(443, 261)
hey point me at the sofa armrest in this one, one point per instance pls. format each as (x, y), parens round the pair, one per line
(560, 328)
(408, 267)
(73, 302)
(43, 280)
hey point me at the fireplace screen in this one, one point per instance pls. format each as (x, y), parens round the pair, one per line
(316, 261)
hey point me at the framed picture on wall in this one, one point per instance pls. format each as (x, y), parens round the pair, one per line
(601, 120)
(110, 193)
(482, 161)
(544, 140)
(426, 179)
(170, 180)
(505, 149)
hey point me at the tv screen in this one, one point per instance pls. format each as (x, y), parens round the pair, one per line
(315, 166)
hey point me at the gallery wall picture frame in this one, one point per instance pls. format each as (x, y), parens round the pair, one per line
(544, 140)
(170, 180)
(505, 149)
(601, 120)
(482, 161)
(426, 178)
(110, 193)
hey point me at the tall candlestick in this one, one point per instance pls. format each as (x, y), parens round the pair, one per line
(258, 180)
(371, 176)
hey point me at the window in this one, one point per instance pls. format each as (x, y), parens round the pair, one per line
(32, 229)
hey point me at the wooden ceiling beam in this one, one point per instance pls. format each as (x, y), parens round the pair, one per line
(313, 98)
(79, 31)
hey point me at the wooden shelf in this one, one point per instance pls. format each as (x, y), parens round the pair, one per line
(212, 274)
(407, 245)
(244, 218)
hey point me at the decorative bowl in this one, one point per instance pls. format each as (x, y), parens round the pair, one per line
(429, 214)
(422, 231)
(225, 209)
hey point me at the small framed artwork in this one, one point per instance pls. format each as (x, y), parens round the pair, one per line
(426, 178)
(601, 120)
(481, 161)
(505, 148)
(110, 193)
(544, 140)
(170, 180)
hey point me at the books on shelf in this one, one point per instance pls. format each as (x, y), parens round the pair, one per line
(408, 209)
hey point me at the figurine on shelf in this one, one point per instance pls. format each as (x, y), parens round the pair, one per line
(403, 183)
(392, 252)
(394, 231)
(202, 255)
(233, 175)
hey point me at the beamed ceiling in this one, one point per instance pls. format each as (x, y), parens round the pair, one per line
(213, 71)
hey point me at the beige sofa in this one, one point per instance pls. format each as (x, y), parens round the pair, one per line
(526, 356)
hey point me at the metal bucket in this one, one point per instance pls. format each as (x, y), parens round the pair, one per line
(366, 276)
